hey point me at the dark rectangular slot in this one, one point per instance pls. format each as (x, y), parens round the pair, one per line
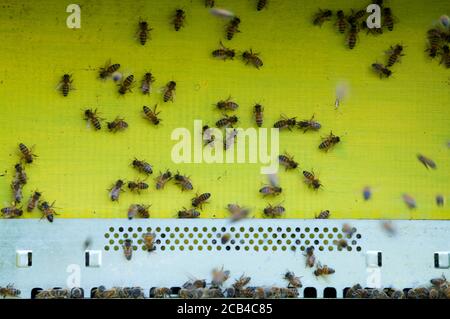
(379, 259)
(30, 259)
(310, 292)
(330, 292)
(86, 257)
(436, 260)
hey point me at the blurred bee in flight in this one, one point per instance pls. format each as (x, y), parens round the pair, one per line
(272, 188)
(252, 58)
(162, 179)
(394, 55)
(285, 122)
(126, 84)
(427, 162)
(169, 91)
(287, 161)
(230, 139)
(310, 258)
(183, 181)
(227, 121)
(237, 212)
(26, 153)
(225, 238)
(310, 124)
(146, 84)
(321, 16)
(33, 201)
(201, 199)
(142, 166)
(219, 276)
(232, 28)
(223, 53)
(151, 115)
(348, 229)
(143, 31)
(108, 70)
(128, 249)
(381, 70)
(92, 117)
(440, 200)
(116, 190)
(329, 141)
(323, 270)
(258, 113)
(323, 215)
(137, 186)
(409, 201)
(149, 241)
(274, 211)
(188, 213)
(367, 192)
(65, 85)
(208, 136)
(311, 180)
(261, 4)
(178, 19)
(12, 212)
(47, 210)
(227, 105)
(117, 125)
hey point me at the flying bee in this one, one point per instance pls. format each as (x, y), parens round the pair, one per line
(381, 70)
(33, 201)
(225, 238)
(21, 176)
(227, 105)
(261, 4)
(128, 249)
(287, 161)
(161, 292)
(274, 211)
(310, 258)
(329, 141)
(66, 84)
(253, 58)
(162, 179)
(9, 291)
(117, 125)
(183, 181)
(229, 139)
(237, 212)
(311, 180)
(11, 212)
(219, 276)
(352, 36)
(108, 70)
(409, 201)
(142, 166)
(116, 190)
(348, 229)
(445, 56)
(427, 162)
(341, 22)
(439, 281)
(233, 28)
(143, 31)
(178, 19)
(341, 243)
(322, 16)
(151, 115)
(367, 192)
(439, 200)
(201, 199)
(325, 214)
(323, 270)
(91, 117)
(224, 53)
(126, 84)
(149, 241)
(394, 55)
(310, 124)
(26, 153)
(47, 210)
(188, 213)
(294, 282)
(137, 186)
(146, 84)
(258, 113)
(227, 121)
(169, 91)
(285, 122)
(371, 30)
(388, 19)
(209, 3)
(241, 282)
(16, 187)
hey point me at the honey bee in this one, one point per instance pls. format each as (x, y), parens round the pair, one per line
(146, 84)
(409, 201)
(66, 84)
(270, 190)
(33, 201)
(241, 282)
(108, 70)
(227, 121)
(194, 283)
(201, 199)
(427, 162)
(289, 293)
(341, 243)
(329, 141)
(16, 187)
(341, 22)
(138, 209)
(323, 215)
(116, 190)
(9, 291)
(440, 200)
(367, 192)
(388, 19)
(237, 212)
(274, 211)
(26, 154)
(352, 36)
(356, 16)
(311, 180)
(137, 186)
(149, 239)
(142, 166)
(190, 293)
(225, 238)
(287, 161)
(252, 58)
(261, 4)
(188, 213)
(47, 210)
(151, 115)
(434, 41)
(260, 293)
(233, 28)
(178, 20)
(91, 117)
(285, 122)
(230, 138)
(21, 176)
(162, 179)
(161, 292)
(381, 70)
(445, 59)
(169, 91)
(11, 212)
(183, 181)
(209, 3)
(348, 229)
(394, 55)
(128, 249)
(322, 16)
(117, 125)
(310, 258)
(126, 84)
(219, 276)
(224, 53)
(294, 282)
(323, 270)
(208, 137)
(439, 281)
(371, 30)
(227, 105)
(258, 112)
(310, 124)
(143, 31)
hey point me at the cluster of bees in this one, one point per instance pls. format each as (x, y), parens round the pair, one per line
(393, 56)
(60, 293)
(439, 40)
(439, 288)
(19, 181)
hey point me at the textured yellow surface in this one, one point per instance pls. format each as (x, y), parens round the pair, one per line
(383, 123)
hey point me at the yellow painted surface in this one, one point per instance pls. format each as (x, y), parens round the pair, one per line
(383, 123)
